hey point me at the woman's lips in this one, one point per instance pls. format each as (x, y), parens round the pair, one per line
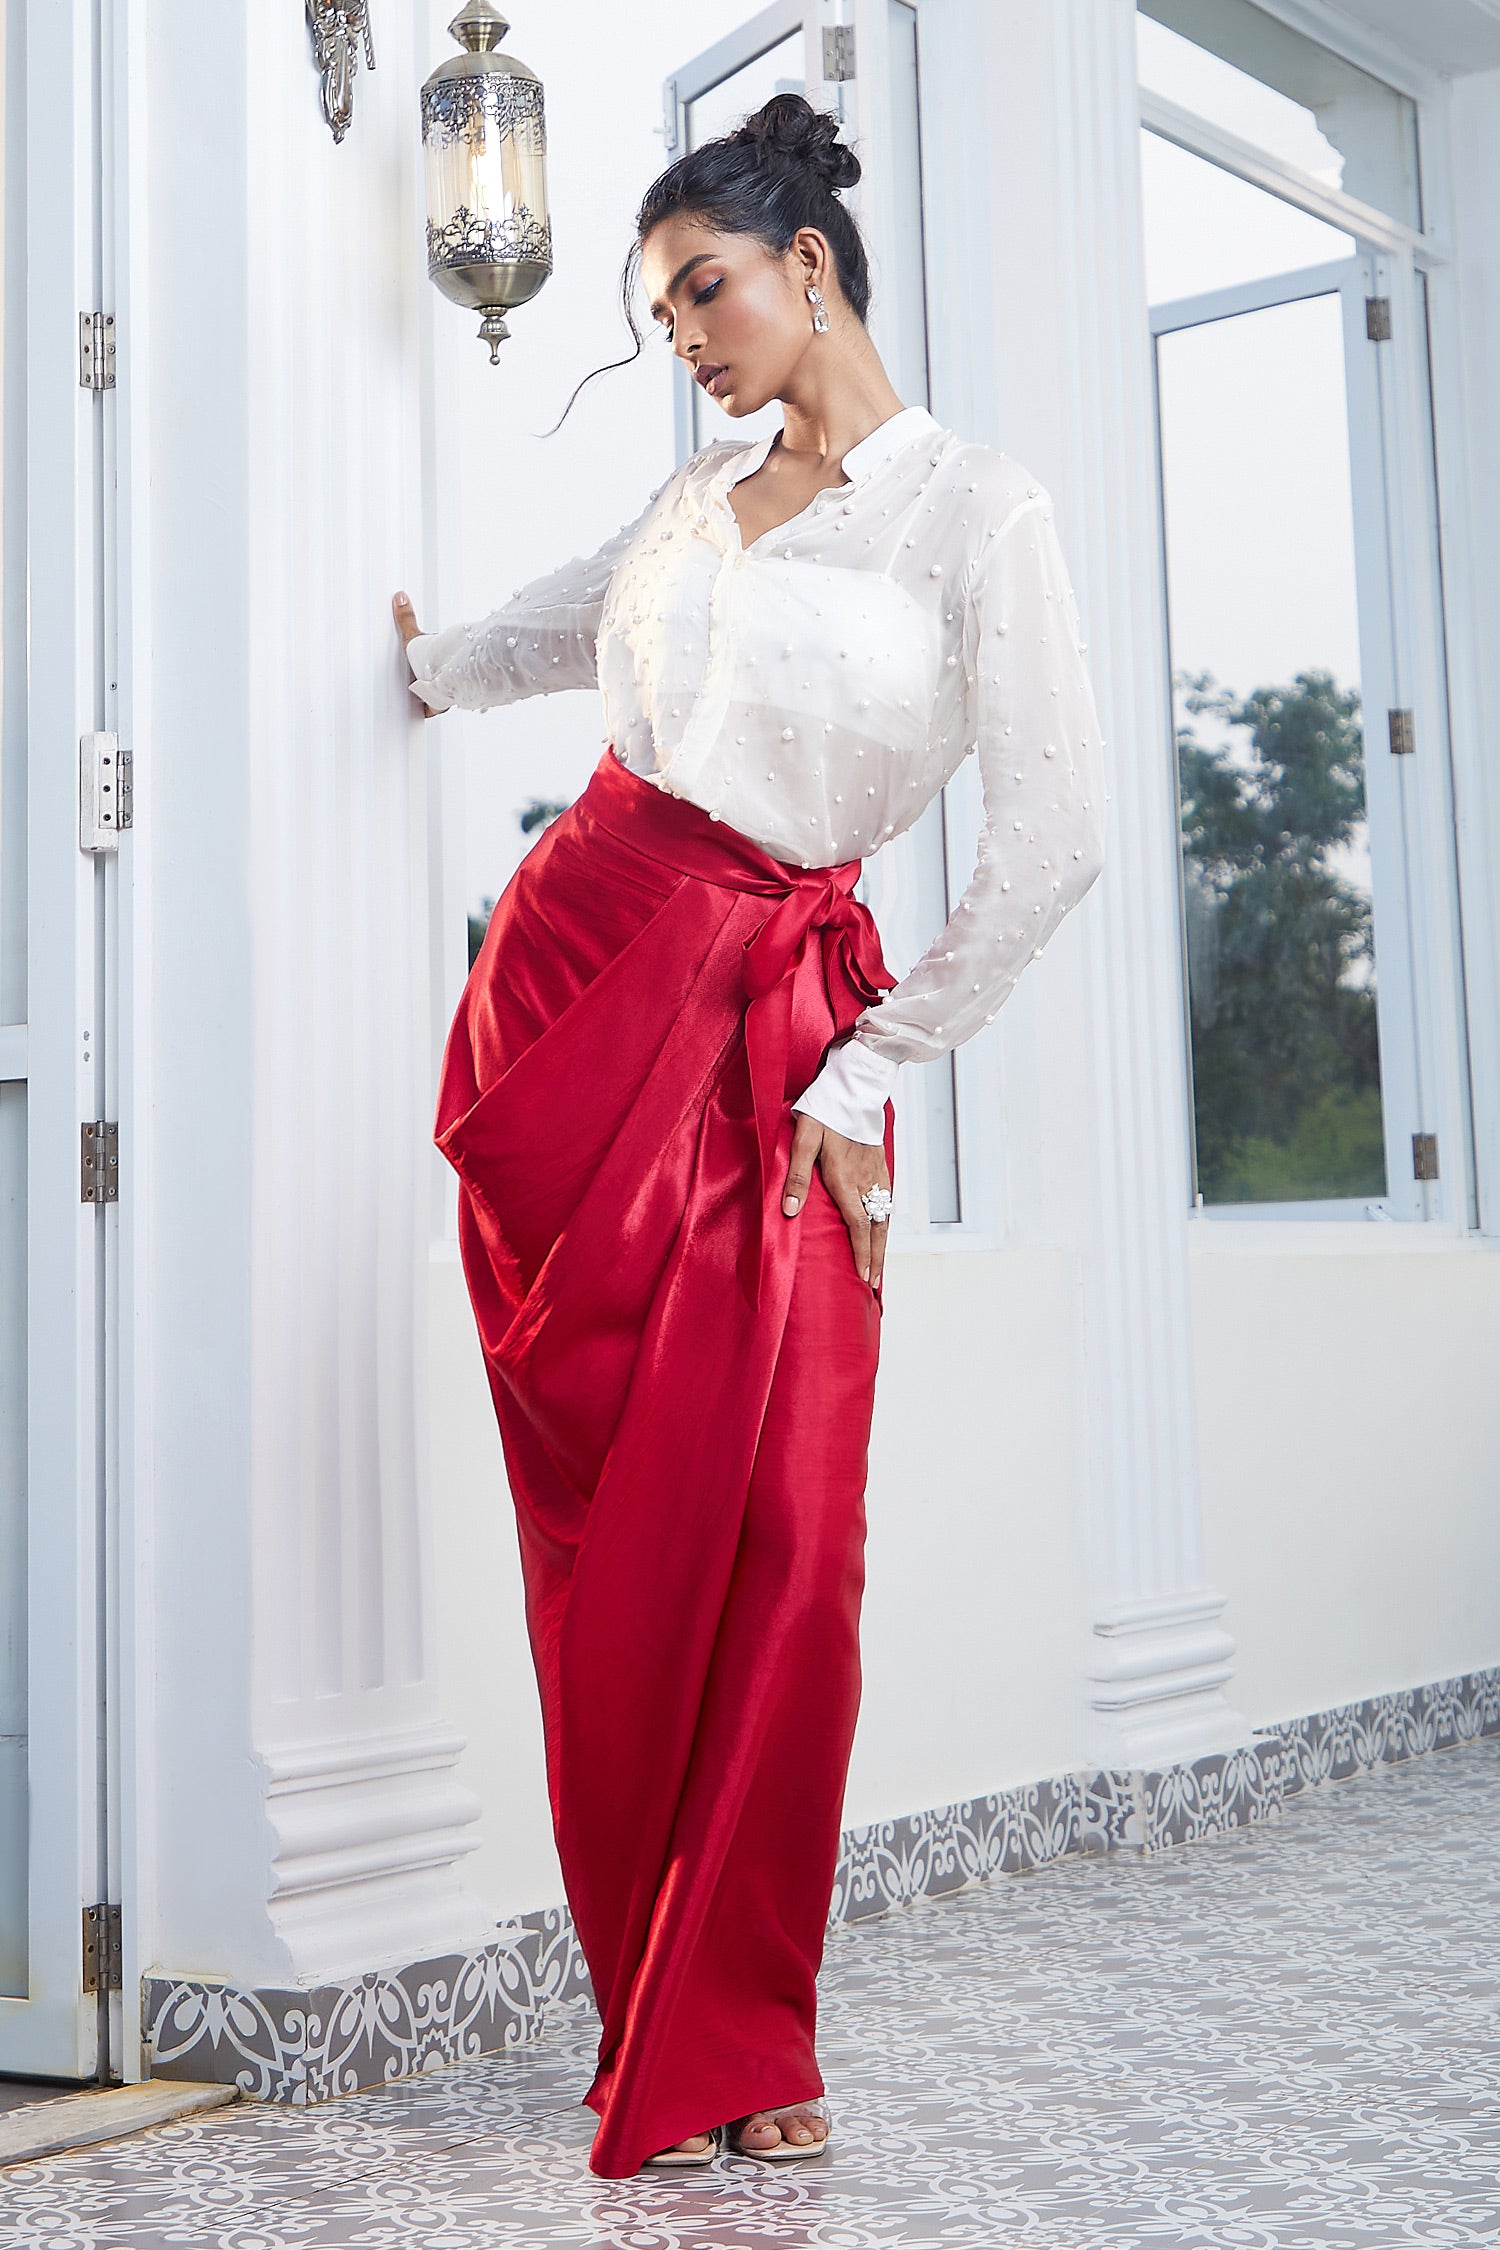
(709, 378)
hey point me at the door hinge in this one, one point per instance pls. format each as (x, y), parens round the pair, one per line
(106, 795)
(669, 113)
(1403, 733)
(1424, 1158)
(838, 52)
(1378, 319)
(96, 351)
(102, 1968)
(99, 1162)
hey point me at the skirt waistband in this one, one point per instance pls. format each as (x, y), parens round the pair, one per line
(680, 834)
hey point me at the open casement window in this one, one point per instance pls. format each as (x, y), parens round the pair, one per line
(859, 61)
(1319, 893)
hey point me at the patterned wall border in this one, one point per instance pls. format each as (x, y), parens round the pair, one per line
(307, 2044)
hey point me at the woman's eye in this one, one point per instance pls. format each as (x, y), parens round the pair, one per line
(663, 328)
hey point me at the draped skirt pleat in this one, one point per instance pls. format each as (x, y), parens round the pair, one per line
(683, 1381)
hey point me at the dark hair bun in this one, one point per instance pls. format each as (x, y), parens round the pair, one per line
(787, 130)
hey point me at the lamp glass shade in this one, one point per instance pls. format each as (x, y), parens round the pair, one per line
(489, 236)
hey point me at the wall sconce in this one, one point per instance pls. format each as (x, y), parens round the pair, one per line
(336, 28)
(489, 239)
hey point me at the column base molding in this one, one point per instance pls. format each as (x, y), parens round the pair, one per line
(1158, 1669)
(307, 2043)
(367, 1836)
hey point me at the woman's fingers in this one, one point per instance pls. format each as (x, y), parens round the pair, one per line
(408, 628)
(807, 1137)
(879, 1235)
(857, 1219)
(848, 1168)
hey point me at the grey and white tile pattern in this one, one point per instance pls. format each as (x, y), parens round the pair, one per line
(302, 2045)
(1285, 2039)
(925, 1855)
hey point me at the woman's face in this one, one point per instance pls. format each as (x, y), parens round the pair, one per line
(736, 313)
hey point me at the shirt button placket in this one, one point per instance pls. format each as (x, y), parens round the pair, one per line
(703, 728)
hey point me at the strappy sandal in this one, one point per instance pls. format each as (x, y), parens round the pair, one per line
(780, 2150)
(686, 2159)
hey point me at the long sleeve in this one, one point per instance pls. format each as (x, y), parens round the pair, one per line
(1031, 719)
(541, 640)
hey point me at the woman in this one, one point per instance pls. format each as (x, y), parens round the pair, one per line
(667, 1097)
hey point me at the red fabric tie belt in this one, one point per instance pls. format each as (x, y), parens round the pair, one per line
(782, 1006)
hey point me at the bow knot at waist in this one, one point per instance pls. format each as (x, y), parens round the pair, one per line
(823, 901)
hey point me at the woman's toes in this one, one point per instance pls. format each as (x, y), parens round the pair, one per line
(803, 2126)
(761, 2131)
(694, 2144)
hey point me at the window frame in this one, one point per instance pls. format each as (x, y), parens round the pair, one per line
(1416, 403)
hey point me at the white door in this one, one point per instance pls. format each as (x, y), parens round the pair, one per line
(857, 58)
(55, 901)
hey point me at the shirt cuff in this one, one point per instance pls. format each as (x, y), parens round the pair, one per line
(850, 1092)
(425, 652)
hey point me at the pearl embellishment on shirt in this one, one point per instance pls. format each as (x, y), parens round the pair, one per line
(915, 625)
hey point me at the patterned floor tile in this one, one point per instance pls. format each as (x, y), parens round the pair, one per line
(1280, 2038)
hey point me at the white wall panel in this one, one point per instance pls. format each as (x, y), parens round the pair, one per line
(1351, 1441)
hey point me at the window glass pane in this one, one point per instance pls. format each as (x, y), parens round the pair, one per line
(720, 108)
(1207, 230)
(1261, 596)
(1237, 67)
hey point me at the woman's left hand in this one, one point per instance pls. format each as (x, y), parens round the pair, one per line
(408, 628)
(849, 1168)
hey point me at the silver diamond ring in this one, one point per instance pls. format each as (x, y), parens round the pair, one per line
(877, 1203)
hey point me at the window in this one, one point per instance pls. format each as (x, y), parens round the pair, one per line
(1234, 66)
(1303, 627)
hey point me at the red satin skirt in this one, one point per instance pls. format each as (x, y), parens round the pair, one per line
(683, 1380)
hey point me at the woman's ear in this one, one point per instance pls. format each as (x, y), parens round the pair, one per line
(814, 259)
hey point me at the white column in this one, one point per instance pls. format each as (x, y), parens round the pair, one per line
(298, 1814)
(1041, 347)
(366, 1814)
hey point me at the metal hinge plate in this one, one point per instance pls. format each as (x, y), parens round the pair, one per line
(838, 52)
(1378, 319)
(102, 1966)
(1403, 733)
(106, 795)
(96, 351)
(1424, 1156)
(669, 113)
(99, 1162)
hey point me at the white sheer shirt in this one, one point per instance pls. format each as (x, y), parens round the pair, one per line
(816, 687)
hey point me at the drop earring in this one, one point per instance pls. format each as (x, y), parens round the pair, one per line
(820, 311)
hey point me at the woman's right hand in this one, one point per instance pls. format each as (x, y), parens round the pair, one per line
(408, 628)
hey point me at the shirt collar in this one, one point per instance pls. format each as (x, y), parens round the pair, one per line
(870, 452)
(887, 438)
